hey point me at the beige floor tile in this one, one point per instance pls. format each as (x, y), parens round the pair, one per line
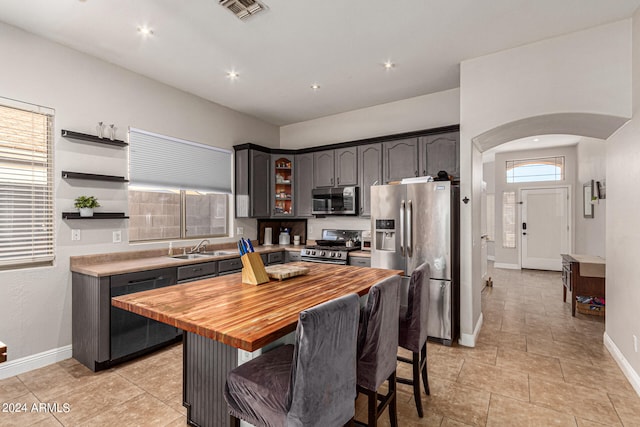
(628, 409)
(98, 397)
(442, 365)
(585, 402)
(11, 388)
(24, 410)
(142, 410)
(588, 423)
(502, 339)
(530, 363)
(485, 353)
(493, 379)
(561, 350)
(459, 402)
(609, 380)
(59, 378)
(178, 422)
(504, 411)
(448, 422)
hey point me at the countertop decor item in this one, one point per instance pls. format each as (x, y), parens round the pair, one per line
(100, 129)
(86, 205)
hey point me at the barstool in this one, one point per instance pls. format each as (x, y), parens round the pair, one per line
(311, 384)
(413, 331)
(377, 348)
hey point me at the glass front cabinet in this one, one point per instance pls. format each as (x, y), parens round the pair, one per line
(282, 184)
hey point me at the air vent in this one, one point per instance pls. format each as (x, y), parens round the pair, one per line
(243, 8)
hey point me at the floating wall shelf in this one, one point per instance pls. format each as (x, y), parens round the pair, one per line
(96, 215)
(92, 138)
(92, 176)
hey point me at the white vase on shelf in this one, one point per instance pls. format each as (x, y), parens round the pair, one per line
(86, 212)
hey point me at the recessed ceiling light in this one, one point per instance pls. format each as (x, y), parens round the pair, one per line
(536, 139)
(145, 31)
(315, 86)
(232, 75)
(389, 65)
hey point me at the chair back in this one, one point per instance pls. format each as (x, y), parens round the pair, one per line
(378, 336)
(413, 328)
(323, 373)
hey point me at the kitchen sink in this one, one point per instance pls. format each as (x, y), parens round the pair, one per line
(219, 253)
(191, 256)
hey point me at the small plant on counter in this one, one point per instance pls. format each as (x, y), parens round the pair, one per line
(86, 205)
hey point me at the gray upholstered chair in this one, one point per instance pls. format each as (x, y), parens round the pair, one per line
(311, 384)
(378, 347)
(413, 331)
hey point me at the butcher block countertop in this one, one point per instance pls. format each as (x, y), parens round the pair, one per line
(246, 316)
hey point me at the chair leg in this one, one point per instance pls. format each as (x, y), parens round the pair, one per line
(372, 413)
(393, 407)
(416, 383)
(425, 374)
(235, 422)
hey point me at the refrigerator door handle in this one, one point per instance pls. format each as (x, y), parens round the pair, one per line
(409, 229)
(402, 204)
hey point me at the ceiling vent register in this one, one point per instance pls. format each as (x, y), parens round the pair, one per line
(243, 8)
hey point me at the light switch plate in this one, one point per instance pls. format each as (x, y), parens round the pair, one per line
(117, 236)
(75, 234)
(239, 231)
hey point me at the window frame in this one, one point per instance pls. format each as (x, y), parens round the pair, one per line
(513, 164)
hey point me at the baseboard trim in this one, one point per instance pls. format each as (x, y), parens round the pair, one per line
(35, 361)
(506, 266)
(626, 368)
(469, 340)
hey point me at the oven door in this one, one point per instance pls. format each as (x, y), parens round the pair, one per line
(323, 260)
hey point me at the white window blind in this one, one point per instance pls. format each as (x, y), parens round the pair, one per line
(163, 161)
(26, 184)
(534, 170)
(509, 219)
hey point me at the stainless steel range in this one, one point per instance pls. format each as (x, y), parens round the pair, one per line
(333, 248)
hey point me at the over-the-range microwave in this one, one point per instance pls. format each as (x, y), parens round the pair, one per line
(335, 201)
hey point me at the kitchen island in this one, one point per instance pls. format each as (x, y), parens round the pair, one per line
(221, 316)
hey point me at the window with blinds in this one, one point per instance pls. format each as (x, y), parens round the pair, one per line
(178, 189)
(509, 219)
(535, 170)
(26, 185)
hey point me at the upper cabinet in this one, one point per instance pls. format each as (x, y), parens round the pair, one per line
(400, 159)
(282, 185)
(440, 153)
(304, 173)
(370, 173)
(323, 169)
(336, 168)
(252, 183)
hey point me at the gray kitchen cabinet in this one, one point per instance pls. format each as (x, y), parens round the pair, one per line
(346, 166)
(282, 185)
(252, 183)
(103, 335)
(229, 266)
(292, 256)
(369, 173)
(323, 169)
(271, 258)
(336, 168)
(360, 261)
(303, 184)
(439, 153)
(400, 159)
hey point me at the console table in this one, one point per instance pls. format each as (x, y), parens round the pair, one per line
(582, 275)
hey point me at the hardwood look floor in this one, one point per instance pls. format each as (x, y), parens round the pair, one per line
(534, 365)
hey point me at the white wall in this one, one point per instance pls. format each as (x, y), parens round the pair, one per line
(35, 303)
(585, 72)
(590, 232)
(421, 112)
(623, 229)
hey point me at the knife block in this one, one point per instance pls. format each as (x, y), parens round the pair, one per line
(253, 272)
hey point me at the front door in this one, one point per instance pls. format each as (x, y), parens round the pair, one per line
(545, 227)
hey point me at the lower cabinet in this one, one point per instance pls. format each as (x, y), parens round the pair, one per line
(103, 335)
(291, 256)
(272, 258)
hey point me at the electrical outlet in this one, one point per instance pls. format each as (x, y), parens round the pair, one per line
(635, 343)
(239, 231)
(117, 236)
(75, 234)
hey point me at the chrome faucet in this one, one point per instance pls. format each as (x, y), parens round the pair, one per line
(198, 247)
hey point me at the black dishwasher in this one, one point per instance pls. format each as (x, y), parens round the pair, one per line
(132, 334)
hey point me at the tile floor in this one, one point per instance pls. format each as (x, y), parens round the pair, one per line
(534, 365)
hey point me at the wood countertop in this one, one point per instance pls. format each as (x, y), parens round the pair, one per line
(246, 316)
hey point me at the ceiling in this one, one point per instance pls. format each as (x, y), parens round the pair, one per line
(278, 54)
(537, 142)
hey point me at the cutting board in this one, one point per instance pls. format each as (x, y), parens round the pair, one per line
(283, 271)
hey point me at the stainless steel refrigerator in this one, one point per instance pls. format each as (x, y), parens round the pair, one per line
(416, 223)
